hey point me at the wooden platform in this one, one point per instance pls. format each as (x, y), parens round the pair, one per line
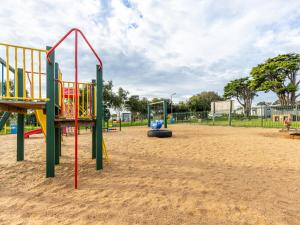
(20, 106)
(61, 122)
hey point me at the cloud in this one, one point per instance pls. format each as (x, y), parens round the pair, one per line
(154, 48)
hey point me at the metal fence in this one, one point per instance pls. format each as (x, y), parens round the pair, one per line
(260, 116)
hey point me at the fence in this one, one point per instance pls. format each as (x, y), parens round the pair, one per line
(260, 116)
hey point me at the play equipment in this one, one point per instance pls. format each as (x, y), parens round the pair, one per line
(113, 125)
(22, 90)
(153, 109)
(32, 132)
(159, 133)
(4, 118)
(156, 125)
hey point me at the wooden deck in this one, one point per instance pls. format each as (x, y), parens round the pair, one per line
(20, 106)
(61, 122)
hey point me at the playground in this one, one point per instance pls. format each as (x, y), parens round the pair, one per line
(202, 175)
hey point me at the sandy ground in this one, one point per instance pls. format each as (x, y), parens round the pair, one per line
(203, 175)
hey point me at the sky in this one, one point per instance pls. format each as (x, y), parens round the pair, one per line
(154, 48)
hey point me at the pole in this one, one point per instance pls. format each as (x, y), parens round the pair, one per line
(20, 124)
(171, 105)
(57, 130)
(99, 119)
(94, 127)
(165, 114)
(149, 114)
(76, 111)
(3, 92)
(50, 112)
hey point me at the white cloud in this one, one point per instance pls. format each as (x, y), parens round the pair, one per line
(158, 47)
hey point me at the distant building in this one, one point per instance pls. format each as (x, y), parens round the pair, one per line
(260, 111)
(275, 112)
(126, 117)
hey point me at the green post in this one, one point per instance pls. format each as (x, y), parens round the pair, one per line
(149, 115)
(94, 127)
(99, 118)
(165, 114)
(59, 142)
(229, 116)
(20, 122)
(57, 130)
(50, 113)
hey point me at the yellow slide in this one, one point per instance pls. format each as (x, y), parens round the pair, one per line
(41, 118)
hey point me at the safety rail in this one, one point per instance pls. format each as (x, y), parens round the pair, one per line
(17, 56)
(85, 99)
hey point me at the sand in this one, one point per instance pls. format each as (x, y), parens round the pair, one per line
(203, 175)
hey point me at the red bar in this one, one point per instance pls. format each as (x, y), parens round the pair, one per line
(76, 109)
(85, 39)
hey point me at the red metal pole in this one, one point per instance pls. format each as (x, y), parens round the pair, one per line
(76, 110)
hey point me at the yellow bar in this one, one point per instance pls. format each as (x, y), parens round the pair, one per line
(69, 100)
(40, 75)
(87, 100)
(82, 100)
(23, 47)
(71, 82)
(73, 100)
(16, 73)
(95, 100)
(7, 73)
(24, 72)
(78, 106)
(23, 98)
(61, 94)
(32, 75)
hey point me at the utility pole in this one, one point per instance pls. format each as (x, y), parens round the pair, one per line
(172, 103)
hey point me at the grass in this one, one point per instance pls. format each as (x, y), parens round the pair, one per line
(236, 122)
(7, 130)
(256, 122)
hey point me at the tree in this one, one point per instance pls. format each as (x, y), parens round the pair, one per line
(119, 99)
(202, 101)
(180, 107)
(112, 100)
(278, 74)
(241, 90)
(143, 106)
(108, 94)
(132, 104)
(136, 105)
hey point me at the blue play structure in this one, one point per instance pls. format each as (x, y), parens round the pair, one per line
(157, 124)
(13, 129)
